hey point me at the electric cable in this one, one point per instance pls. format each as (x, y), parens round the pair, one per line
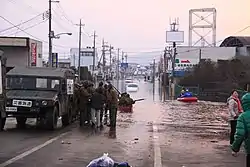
(29, 33)
(32, 26)
(22, 23)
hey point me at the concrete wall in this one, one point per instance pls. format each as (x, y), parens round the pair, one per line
(16, 56)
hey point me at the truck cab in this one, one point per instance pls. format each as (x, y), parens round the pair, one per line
(42, 93)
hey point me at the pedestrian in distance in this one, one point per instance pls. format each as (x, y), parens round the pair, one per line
(243, 130)
(97, 103)
(234, 109)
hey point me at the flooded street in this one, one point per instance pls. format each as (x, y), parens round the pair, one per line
(156, 134)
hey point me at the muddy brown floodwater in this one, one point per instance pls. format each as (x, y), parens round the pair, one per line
(156, 134)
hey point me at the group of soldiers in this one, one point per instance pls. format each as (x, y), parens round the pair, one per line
(82, 102)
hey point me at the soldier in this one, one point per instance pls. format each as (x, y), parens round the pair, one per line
(76, 98)
(106, 108)
(90, 90)
(101, 88)
(129, 100)
(113, 102)
(84, 99)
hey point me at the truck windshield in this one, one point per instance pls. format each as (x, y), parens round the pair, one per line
(31, 83)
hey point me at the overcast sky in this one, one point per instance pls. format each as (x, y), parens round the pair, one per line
(136, 26)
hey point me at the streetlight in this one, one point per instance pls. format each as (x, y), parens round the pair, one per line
(57, 36)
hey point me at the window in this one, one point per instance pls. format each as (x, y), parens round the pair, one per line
(31, 83)
(41, 83)
(132, 85)
(54, 84)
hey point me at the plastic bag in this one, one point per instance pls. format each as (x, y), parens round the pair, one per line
(103, 161)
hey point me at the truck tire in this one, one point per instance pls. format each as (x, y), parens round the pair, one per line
(2, 123)
(21, 122)
(51, 118)
(67, 118)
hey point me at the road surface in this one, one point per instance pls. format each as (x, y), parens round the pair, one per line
(157, 134)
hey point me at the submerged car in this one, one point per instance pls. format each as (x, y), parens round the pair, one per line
(132, 87)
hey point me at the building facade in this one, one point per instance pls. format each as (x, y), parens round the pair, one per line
(86, 58)
(22, 51)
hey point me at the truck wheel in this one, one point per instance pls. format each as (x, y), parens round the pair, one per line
(2, 123)
(51, 118)
(67, 118)
(21, 122)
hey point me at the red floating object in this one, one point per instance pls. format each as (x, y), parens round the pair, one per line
(187, 99)
(127, 109)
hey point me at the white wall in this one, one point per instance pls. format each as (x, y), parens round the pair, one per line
(84, 61)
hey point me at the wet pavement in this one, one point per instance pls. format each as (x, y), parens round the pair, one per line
(156, 134)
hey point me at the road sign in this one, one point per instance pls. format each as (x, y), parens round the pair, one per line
(124, 65)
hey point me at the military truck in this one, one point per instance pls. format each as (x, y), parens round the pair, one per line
(2, 90)
(42, 93)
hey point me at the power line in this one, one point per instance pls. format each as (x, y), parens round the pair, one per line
(29, 33)
(32, 26)
(33, 18)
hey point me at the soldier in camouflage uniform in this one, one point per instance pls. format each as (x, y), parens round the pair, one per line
(113, 102)
(90, 90)
(76, 98)
(100, 87)
(84, 99)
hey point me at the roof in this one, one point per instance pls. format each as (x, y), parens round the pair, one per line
(236, 41)
(40, 71)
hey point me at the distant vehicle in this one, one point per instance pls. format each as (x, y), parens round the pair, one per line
(128, 81)
(132, 87)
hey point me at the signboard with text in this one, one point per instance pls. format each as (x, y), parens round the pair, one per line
(33, 54)
(55, 60)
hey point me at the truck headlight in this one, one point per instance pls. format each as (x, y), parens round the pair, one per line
(44, 103)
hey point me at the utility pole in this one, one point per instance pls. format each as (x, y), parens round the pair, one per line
(117, 68)
(173, 28)
(200, 53)
(51, 33)
(79, 50)
(122, 57)
(103, 58)
(126, 58)
(165, 64)
(110, 60)
(153, 79)
(94, 52)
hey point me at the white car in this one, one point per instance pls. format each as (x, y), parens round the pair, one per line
(132, 87)
(128, 81)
